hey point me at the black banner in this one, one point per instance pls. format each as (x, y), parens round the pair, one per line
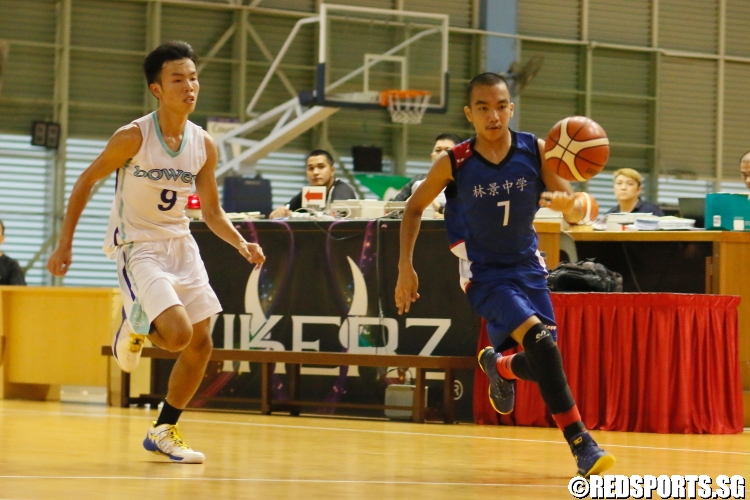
(329, 286)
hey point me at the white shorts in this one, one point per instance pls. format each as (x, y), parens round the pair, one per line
(156, 275)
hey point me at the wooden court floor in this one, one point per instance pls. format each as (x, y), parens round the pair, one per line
(60, 451)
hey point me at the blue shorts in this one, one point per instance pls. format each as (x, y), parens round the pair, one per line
(506, 297)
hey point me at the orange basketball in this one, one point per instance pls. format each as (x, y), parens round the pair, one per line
(590, 207)
(577, 148)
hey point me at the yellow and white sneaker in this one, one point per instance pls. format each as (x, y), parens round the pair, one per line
(165, 440)
(127, 347)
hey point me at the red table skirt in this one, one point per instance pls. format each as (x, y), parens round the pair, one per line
(639, 362)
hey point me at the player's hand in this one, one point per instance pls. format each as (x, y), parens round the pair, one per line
(60, 260)
(253, 253)
(406, 289)
(559, 201)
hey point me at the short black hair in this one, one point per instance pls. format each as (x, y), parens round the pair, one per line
(321, 152)
(485, 79)
(2, 228)
(169, 51)
(449, 137)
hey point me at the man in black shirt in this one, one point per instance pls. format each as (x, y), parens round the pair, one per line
(10, 270)
(320, 172)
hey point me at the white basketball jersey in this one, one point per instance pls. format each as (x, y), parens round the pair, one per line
(151, 189)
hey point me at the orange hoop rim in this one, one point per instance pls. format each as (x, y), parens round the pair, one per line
(401, 94)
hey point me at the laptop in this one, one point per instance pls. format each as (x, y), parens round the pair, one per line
(693, 208)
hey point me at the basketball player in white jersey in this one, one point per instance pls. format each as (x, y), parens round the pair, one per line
(164, 285)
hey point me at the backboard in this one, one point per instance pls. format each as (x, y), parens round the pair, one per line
(363, 51)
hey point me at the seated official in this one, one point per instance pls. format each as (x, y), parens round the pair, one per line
(10, 271)
(745, 169)
(628, 186)
(320, 172)
(443, 143)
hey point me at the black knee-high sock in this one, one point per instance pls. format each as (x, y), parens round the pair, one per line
(168, 415)
(519, 365)
(515, 366)
(543, 357)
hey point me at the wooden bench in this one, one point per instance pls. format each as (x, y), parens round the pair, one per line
(294, 359)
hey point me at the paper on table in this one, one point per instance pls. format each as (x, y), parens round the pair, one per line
(675, 223)
(667, 223)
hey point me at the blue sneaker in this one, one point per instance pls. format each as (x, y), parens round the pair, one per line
(589, 457)
(502, 391)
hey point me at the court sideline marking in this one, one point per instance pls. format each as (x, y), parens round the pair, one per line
(303, 481)
(372, 431)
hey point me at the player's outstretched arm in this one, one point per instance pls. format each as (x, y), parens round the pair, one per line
(408, 283)
(123, 146)
(215, 217)
(559, 195)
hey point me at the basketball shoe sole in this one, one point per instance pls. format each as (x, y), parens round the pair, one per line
(127, 347)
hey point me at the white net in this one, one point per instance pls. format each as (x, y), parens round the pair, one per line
(406, 106)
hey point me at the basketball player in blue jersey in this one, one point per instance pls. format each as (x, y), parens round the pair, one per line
(494, 184)
(165, 290)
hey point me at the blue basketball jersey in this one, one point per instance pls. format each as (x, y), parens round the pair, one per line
(490, 208)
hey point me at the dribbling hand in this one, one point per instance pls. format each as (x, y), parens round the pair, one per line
(559, 201)
(253, 253)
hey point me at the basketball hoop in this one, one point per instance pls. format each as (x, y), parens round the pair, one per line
(405, 106)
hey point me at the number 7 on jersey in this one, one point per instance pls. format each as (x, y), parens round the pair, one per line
(506, 215)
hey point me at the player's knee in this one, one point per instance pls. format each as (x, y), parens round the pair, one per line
(541, 350)
(201, 343)
(174, 336)
(176, 340)
(182, 339)
(174, 329)
(545, 360)
(537, 338)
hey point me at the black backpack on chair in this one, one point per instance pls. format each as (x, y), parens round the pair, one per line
(583, 276)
